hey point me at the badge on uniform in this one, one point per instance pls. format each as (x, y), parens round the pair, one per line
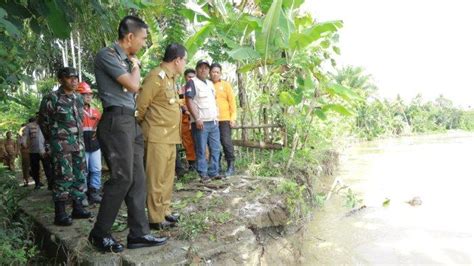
(162, 74)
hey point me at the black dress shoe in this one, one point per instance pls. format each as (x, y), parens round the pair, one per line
(62, 220)
(172, 218)
(145, 241)
(163, 225)
(105, 244)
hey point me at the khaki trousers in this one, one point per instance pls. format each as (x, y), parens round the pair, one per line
(160, 164)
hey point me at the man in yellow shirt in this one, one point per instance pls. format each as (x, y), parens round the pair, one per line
(159, 115)
(227, 114)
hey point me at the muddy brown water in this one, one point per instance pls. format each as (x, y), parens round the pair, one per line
(438, 169)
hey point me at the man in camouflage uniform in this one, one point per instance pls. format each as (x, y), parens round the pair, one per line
(2, 151)
(60, 119)
(11, 151)
(24, 155)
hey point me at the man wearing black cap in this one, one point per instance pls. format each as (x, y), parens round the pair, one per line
(117, 71)
(201, 102)
(60, 120)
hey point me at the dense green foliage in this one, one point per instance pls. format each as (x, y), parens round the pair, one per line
(16, 238)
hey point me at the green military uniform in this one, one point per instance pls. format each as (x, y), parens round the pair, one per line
(60, 119)
(159, 115)
(11, 152)
(3, 152)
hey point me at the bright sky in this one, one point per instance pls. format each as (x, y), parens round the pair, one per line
(408, 46)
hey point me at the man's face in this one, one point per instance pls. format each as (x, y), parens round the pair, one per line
(9, 135)
(202, 71)
(87, 98)
(189, 76)
(137, 40)
(216, 74)
(69, 83)
(181, 64)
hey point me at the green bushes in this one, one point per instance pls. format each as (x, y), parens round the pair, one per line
(466, 121)
(16, 237)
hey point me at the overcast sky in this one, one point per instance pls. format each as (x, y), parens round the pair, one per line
(408, 46)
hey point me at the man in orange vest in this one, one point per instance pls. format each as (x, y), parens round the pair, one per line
(186, 135)
(91, 143)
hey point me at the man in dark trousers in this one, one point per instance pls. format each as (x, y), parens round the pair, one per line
(117, 72)
(33, 140)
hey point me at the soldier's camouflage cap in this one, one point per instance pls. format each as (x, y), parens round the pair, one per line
(66, 72)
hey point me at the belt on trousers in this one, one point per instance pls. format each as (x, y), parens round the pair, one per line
(119, 110)
(215, 122)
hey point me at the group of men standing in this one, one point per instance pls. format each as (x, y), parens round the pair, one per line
(138, 132)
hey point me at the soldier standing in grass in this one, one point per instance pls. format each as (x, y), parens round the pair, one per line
(24, 156)
(2, 150)
(11, 151)
(60, 119)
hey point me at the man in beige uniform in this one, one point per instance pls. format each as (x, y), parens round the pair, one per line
(159, 115)
(11, 149)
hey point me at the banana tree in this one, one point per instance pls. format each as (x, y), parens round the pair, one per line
(282, 50)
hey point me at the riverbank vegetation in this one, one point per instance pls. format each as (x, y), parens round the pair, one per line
(16, 236)
(293, 96)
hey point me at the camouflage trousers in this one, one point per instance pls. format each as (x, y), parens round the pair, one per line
(10, 161)
(69, 173)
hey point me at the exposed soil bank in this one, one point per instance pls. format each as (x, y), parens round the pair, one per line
(241, 220)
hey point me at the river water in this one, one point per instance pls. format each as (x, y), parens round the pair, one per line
(438, 169)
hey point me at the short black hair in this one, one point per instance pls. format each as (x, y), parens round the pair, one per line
(189, 70)
(216, 65)
(173, 51)
(130, 24)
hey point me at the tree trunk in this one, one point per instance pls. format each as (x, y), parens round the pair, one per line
(293, 150)
(73, 54)
(63, 53)
(79, 50)
(66, 52)
(243, 103)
